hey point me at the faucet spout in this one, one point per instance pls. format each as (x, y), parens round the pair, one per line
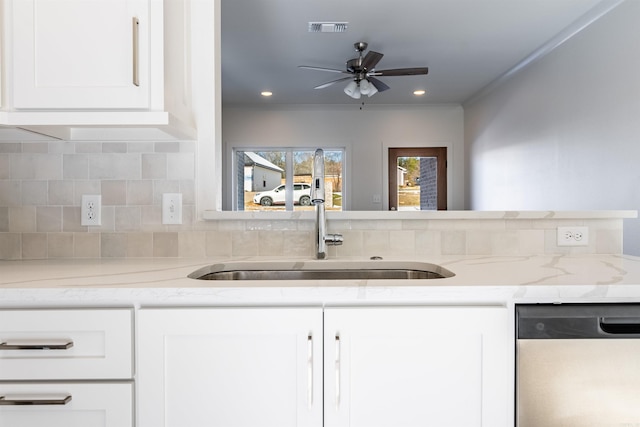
(318, 198)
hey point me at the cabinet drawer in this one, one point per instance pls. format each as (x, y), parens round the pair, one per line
(65, 344)
(66, 404)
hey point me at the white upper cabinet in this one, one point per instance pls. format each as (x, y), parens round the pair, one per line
(70, 54)
(98, 69)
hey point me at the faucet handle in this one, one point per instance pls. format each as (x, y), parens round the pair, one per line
(317, 176)
(317, 191)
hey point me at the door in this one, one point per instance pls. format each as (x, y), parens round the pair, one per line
(415, 367)
(80, 54)
(230, 367)
(418, 178)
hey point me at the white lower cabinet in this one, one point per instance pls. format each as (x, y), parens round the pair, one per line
(356, 367)
(230, 367)
(66, 367)
(416, 366)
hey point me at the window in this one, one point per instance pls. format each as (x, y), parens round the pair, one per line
(280, 179)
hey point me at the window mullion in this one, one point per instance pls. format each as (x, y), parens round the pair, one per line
(288, 180)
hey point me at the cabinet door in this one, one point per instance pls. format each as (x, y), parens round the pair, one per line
(80, 54)
(410, 367)
(230, 367)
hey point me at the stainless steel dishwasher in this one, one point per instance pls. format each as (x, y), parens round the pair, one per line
(578, 365)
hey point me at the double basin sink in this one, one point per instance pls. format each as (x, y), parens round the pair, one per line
(321, 270)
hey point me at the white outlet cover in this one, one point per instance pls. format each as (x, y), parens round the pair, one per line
(91, 210)
(172, 208)
(573, 236)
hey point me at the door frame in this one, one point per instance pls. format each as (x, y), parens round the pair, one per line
(440, 153)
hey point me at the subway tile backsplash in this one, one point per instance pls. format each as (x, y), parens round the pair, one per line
(41, 185)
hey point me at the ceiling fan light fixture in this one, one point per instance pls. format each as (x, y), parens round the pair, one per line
(352, 90)
(363, 72)
(365, 87)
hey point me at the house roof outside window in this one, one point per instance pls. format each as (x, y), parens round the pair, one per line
(252, 159)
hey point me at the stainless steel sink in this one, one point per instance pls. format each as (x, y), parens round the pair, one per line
(322, 270)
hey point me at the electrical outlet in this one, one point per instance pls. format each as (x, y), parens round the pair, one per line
(172, 208)
(90, 210)
(573, 236)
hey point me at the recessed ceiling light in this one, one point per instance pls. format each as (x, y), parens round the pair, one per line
(419, 92)
(266, 93)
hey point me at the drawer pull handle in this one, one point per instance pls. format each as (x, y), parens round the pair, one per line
(36, 345)
(35, 400)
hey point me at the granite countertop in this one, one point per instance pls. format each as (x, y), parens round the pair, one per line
(165, 281)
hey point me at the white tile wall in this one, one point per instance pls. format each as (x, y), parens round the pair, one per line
(41, 185)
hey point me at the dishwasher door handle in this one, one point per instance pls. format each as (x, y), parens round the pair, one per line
(620, 325)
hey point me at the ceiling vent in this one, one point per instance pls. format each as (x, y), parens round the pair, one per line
(328, 27)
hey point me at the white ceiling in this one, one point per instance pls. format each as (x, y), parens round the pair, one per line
(466, 44)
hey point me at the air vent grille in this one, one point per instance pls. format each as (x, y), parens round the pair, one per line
(328, 27)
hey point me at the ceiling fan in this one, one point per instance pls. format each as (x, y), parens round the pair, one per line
(362, 73)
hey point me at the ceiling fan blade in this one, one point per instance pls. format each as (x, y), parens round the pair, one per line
(327, 84)
(378, 84)
(401, 72)
(371, 59)
(331, 70)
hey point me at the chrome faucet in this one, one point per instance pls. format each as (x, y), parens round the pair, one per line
(317, 198)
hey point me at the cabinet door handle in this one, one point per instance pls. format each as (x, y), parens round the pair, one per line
(35, 399)
(310, 370)
(337, 369)
(136, 53)
(36, 345)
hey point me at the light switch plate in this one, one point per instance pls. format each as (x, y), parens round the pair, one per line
(172, 208)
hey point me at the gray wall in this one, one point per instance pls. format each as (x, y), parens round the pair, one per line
(564, 134)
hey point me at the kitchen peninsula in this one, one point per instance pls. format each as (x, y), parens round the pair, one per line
(508, 254)
(307, 353)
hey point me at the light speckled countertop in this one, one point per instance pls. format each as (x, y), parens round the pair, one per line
(164, 282)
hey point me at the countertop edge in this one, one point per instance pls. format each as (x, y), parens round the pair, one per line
(418, 215)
